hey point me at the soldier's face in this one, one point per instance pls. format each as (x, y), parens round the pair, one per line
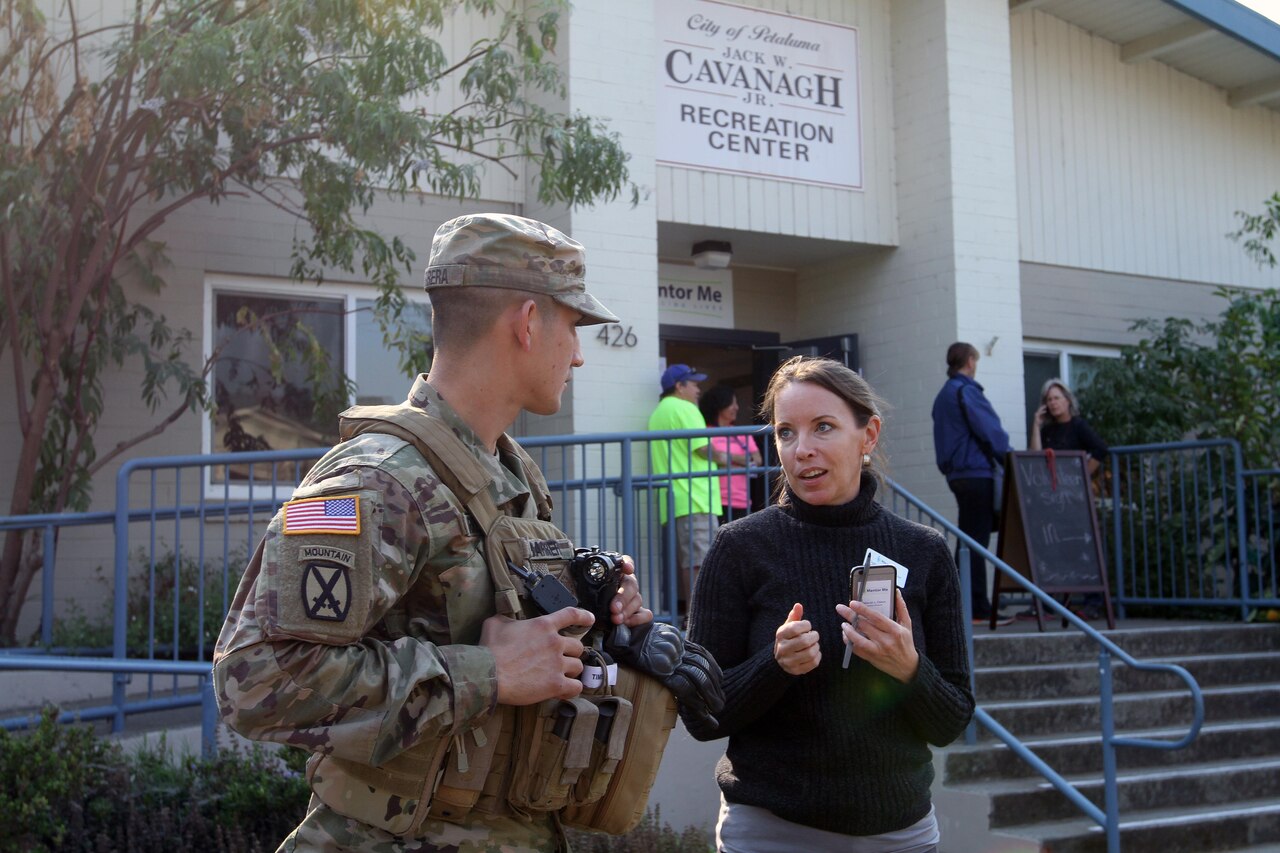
(556, 354)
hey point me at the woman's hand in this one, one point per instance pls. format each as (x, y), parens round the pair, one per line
(795, 643)
(881, 642)
(1042, 415)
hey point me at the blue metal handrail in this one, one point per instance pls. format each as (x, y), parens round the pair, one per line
(123, 667)
(627, 486)
(1108, 817)
(123, 515)
(1167, 504)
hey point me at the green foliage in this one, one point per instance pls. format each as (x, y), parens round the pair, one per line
(1183, 380)
(63, 788)
(249, 790)
(1259, 229)
(76, 629)
(317, 108)
(150, 607)
(53, 781)
(151, 603)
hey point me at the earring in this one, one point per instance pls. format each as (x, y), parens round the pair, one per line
(866, 459)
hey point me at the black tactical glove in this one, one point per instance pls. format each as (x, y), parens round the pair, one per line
(685, 668)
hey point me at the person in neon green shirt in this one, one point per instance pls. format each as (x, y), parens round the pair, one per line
(696, 501)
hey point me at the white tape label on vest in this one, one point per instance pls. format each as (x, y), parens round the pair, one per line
(593, 676)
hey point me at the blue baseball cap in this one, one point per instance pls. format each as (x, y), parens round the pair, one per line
(679, 373)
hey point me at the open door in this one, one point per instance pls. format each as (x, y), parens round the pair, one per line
(842, 348)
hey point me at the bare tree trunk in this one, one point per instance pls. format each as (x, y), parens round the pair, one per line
(27, 560)
(15, 575)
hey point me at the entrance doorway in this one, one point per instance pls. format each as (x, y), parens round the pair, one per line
(743, 360)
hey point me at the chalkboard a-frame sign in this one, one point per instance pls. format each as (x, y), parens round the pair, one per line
(1049, 528)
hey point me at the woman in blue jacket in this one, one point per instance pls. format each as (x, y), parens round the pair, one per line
(970, 445)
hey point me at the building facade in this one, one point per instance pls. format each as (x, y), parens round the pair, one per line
(890, 176)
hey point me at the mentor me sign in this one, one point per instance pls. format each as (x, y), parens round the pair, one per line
(758, 93)
(688, 296)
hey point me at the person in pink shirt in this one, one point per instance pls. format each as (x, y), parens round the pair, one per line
(719, 407)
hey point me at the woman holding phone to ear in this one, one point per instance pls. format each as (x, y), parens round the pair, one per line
(772, 604)
(1058, 425)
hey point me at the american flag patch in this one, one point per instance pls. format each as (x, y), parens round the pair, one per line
(323, 515)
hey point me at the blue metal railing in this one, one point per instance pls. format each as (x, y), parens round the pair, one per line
(612, 506)
(256, 496)
(1190, 527)
(1109, 816)
(604, 496)
(117, 667)
(1262, 507)
(252, 497)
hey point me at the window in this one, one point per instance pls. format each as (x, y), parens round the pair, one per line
(379, 377)
(317, 337)
(1074, 363)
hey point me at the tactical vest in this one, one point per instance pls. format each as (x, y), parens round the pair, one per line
(592, 759)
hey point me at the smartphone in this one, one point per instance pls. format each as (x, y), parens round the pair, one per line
(874, 586)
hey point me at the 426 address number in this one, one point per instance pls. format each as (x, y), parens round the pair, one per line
(615, 335)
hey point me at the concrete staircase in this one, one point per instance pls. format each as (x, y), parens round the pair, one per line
(1220, 793)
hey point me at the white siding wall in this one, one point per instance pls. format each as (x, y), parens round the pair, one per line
(765, 299)
(617, 387)
(721, 200)
(1134, 169)
(955, 274)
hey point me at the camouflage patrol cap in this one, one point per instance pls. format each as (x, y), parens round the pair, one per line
(501, 250)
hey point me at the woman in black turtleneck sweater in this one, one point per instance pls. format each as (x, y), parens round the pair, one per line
(817, 752)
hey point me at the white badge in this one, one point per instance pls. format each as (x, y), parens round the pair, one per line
(874, 558)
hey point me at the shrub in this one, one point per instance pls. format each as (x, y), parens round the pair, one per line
(1216, 379)
(1185, 380)
(54, 781)
(63, 788)
(150, 607)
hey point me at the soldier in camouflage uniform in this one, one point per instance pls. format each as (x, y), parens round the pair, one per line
(364, 629)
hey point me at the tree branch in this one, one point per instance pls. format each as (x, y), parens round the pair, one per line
(208, 366)
(157, 219)
(138, 439)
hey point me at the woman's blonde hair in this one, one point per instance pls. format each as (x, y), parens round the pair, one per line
(1073, 408)
(845, 383)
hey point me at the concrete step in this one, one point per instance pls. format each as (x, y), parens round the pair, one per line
(1243, 825)
(1163, 709)
(1219, 783)
(1036, 649)
(1081, 754)
(1068, 680)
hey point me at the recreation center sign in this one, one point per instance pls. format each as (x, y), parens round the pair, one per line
(758, 93)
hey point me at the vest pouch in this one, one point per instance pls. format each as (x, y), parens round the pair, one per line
(467, 767)
(554, 739)
(535, 545)
(653, 716)
(607, 748)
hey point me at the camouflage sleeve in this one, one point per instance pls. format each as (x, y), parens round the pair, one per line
(319, 650)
